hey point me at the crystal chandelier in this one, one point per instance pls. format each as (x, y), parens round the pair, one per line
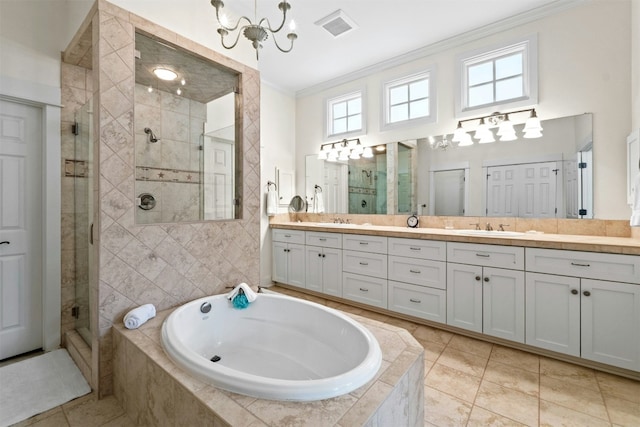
(255, 33)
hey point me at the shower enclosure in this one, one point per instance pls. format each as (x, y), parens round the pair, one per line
(83, 218)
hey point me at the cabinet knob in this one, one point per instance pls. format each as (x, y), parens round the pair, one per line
(319, 255)
(486, 279)
(586, 293)
(574, 291)
(478, 278)
(324, 256)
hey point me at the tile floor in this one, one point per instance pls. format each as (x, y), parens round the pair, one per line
(467, 383)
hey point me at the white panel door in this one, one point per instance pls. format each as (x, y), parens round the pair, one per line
(502, 191)
(538, 190)
(20, 228)
(218, 179)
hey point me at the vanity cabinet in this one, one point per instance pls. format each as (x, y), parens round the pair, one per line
(486, 294)
(323, 257)
(418, 278)
(579, 313)
(288, 264)
(364, 266)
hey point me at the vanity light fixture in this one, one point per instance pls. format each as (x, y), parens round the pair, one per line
(443, 144)
(255, 33)
(344, 150)
(506, 131)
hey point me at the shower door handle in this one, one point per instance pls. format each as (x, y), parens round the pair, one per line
(91, 234)
(6, 242)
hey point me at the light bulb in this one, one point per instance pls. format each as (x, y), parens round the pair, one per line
(292, 26)
(183, 82)
(179, 91)
(466, 140)
(149, 89)
(368, 153)
(165, 74)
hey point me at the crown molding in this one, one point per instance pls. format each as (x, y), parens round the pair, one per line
(446, 44)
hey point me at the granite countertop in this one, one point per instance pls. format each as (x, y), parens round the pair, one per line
(604, 244)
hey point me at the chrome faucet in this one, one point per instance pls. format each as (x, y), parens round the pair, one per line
(502, 226)
(338, 220)
(477, 224)
(489, 227)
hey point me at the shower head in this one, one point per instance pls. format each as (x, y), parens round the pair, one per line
(152, 136)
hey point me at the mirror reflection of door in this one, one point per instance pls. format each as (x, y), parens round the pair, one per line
(218, 178)
(448, 187)
(525, 190)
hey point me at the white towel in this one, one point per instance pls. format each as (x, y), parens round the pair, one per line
(318, 203)
(138, 316)
(248, 292)
(272, 201)
(635, 207)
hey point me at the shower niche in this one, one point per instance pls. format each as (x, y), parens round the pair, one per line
(187, 138)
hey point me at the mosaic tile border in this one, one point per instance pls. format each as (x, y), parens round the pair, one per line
(167, 175)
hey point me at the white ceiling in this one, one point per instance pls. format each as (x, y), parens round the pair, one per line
(386, 29)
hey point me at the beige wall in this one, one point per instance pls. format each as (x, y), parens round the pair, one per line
(584, 66)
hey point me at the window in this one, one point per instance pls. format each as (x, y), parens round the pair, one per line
(345, 114)
(503, 75)
(408, 99)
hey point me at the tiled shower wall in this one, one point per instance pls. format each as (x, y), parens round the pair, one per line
(170, 168)
(161, 264)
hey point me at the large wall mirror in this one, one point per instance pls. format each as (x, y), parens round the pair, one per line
(187, 140)
(546, 177)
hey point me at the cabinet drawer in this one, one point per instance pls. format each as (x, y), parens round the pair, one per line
(416, 248)
(356, 242)
(591, 265)
(326, 240)
(418, 271)
(367, 290)
(290, 236)
(486, 255)
(426, 303)
(365, 263)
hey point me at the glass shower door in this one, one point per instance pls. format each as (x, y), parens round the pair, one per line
(83, 218)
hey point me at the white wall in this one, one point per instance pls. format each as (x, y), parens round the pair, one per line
(277, 150)
(584, 66)
(635, 65)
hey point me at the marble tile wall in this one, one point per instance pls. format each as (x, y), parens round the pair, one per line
(178, 123)
(161, 264)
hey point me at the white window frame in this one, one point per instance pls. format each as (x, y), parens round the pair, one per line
(428, 73)
(330, 102)
(528, 46)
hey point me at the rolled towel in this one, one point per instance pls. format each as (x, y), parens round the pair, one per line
(248, 292)
(138, 316)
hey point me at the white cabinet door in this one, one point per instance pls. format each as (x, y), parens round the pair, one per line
(553, 312)
(332, 271)
(314, 268)
(464, 296)
(503, 303)
(279, 264)
(611, 323)
(288, 264)
(295, 265)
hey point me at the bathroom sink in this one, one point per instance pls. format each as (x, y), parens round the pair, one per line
(493, 233)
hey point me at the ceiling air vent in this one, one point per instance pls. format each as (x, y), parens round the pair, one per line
(337, 23)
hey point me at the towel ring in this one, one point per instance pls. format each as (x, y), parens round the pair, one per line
(317, 187)
(272, 183)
